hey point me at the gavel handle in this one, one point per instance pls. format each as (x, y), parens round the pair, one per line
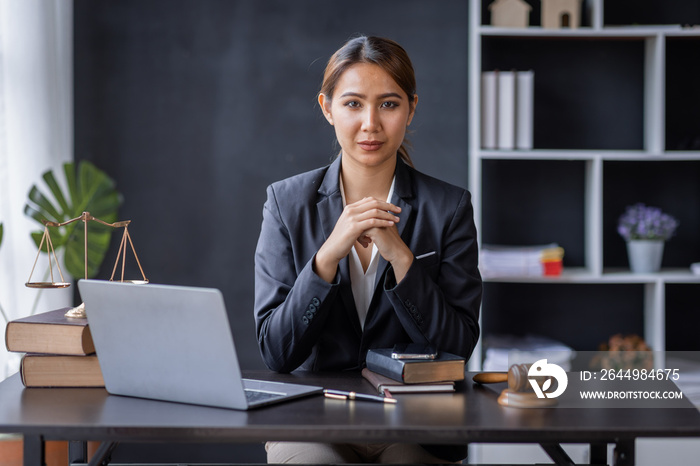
(491, 377)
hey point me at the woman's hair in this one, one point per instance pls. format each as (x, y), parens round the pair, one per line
(386, 54)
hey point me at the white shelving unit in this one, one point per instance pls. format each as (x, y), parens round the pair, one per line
(654, 149)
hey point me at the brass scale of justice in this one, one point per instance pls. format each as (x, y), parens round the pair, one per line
(79, 311)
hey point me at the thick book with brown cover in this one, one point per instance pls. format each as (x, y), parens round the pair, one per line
(57, 370)
(382, 383)
(49, 332)
(446, 367)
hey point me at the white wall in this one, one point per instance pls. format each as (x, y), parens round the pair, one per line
(36, 134)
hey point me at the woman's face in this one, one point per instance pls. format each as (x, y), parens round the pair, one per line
(370, 113)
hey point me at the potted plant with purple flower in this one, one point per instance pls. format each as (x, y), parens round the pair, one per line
(645, 229)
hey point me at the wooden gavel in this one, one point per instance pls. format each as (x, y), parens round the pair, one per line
(519, 393)
(516, 377)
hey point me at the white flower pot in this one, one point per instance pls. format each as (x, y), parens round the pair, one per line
(645, 255)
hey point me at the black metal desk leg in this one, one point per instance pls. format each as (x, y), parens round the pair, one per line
(77, 452)
(557, 453)
(34, 451)
(103, 455)
(599, 453)
(624, 453)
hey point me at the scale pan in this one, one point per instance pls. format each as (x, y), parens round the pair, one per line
(135, 282)
(47, 284)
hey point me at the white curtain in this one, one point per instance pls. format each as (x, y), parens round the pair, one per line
(36, 134)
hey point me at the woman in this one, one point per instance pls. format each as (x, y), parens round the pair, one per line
(366, 252)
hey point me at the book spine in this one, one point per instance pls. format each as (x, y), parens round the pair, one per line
(489, 115)
(388, 367)
(506, 110)
(49, 339)
(525, 90)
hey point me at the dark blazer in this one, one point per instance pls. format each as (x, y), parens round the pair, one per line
(304, 322)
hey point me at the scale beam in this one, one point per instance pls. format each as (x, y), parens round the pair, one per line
(85, 218)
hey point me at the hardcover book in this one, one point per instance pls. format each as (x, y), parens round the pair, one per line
(506, 110)
(382, 383)
(489, 113)
(446, 367)
(54, 370)
(524, 109)
(49, 332)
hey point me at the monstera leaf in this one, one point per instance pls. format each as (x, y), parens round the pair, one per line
(89, 190)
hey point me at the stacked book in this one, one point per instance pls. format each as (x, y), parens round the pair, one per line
(507, 109)
(59, 351)
(502, 351)
(391, 375)
(521, 261)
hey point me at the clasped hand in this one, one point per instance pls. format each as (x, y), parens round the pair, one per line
(366, 221)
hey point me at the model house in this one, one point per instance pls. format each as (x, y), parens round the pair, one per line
(558, 14)
(510, 13)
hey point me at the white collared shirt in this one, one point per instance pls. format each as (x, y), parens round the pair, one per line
(363, 282)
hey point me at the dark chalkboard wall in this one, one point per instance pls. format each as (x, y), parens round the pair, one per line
(194, 107)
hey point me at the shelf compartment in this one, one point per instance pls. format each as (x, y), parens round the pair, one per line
(578, 106)
(650, 12)
(672, 186)
(682, 317)
(561, 312)
(532, 202)
(682, 94)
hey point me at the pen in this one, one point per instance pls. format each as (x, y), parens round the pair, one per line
(340, 395)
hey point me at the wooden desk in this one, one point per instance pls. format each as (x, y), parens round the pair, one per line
(470, 415)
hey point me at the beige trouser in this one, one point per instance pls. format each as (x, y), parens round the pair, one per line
(326, 453)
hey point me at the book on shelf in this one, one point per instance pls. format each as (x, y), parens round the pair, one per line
(489, 99)
(49, 332)
(382, 383)
(502, 351)
(524, 109)
(58, 370)
(507, 109)
(446, 367)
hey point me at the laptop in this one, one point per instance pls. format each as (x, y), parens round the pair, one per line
(173, 343)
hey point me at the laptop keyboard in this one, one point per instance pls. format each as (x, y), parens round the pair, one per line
(255, 396)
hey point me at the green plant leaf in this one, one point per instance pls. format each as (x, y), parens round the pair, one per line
(88, 190)
(51, 182)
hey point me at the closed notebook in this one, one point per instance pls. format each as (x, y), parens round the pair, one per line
(446, 367)
(49, 332)
(382, 383)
